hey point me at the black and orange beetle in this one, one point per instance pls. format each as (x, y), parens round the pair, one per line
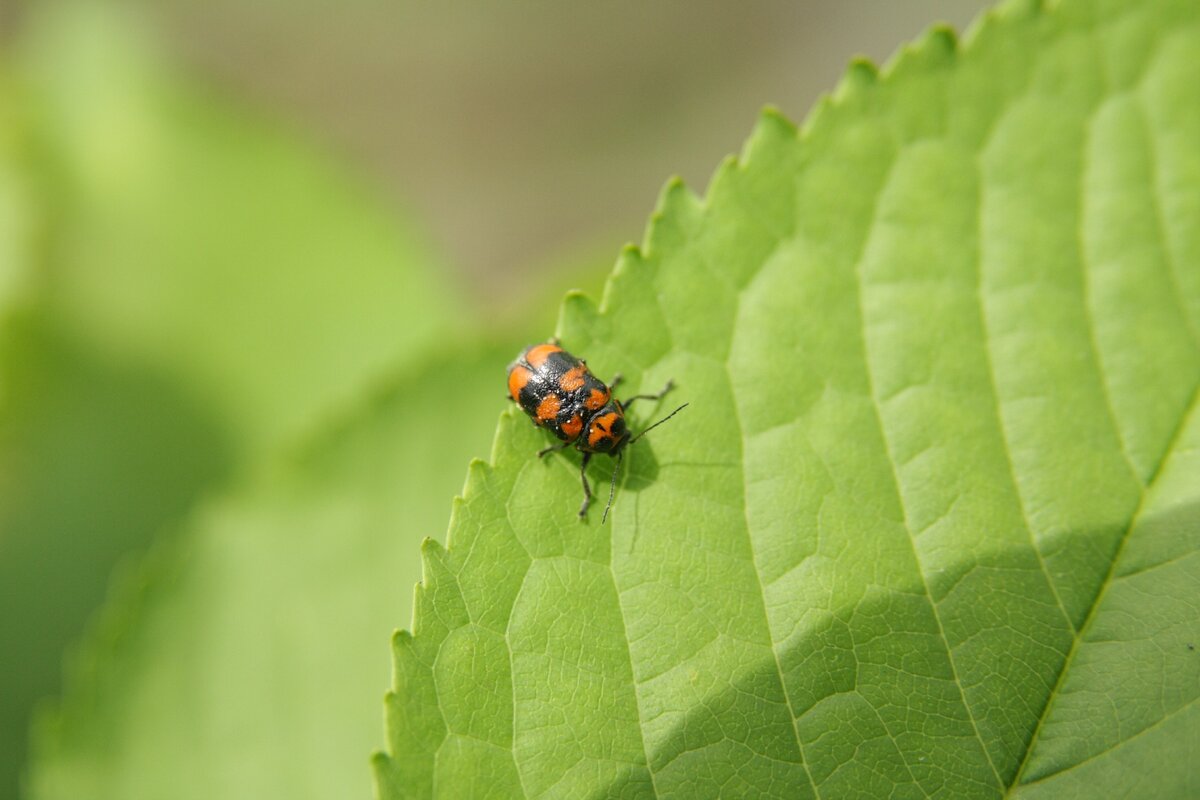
(560, 394)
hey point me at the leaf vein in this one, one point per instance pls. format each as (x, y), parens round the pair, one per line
(737, 418)
(1088, 298)
(1109, 579)
(1120, 743)
(1006, 448)
(899, 494)
(1156, 202)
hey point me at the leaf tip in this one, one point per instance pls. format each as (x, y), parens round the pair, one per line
(432, 568)
(478, 469)
(578, 317)
(578, 300)
(861, 76)
(387, 784)
(675, 197)
(1021, 8)
(674, 184)
(772, 131)
(632, 257)
(432, 548)
(773, 119)
(675, 211)
(577, 304)
(861, 71)
(944, 37)
(401, 638)
(728, 166)
(817, 114)
(937, 48)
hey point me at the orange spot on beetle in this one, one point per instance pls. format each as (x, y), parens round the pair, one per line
(548, 409)
(572, 427)
(596, 400)
(601, 428)
(538, 355)
(517, 378)
(572, 379)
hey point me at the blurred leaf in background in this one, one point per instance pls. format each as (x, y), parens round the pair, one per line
(197, 239)
(184, 288)
(246, 661)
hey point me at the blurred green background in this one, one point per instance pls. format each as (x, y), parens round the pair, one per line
(228, 230)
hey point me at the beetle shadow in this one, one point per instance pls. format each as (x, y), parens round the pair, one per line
(638, 469)
(641, 463)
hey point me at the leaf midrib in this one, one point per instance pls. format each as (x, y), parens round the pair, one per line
(1079, 633)
(1146, 489)
(1097, 601)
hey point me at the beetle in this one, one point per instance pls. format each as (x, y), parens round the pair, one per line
(561, 395)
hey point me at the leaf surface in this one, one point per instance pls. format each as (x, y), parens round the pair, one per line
(242, 659)
(929, 526)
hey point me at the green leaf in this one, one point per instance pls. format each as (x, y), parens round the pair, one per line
(242, 660)
(207, 243)
(930, 525)
(183, 286)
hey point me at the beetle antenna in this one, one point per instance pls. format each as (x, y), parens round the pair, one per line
(612, 489)
(660, 422)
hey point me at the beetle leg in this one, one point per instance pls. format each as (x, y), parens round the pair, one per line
(625, 404)
(554, 447)
(587, 490)
(612, 385)
(612, 489)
